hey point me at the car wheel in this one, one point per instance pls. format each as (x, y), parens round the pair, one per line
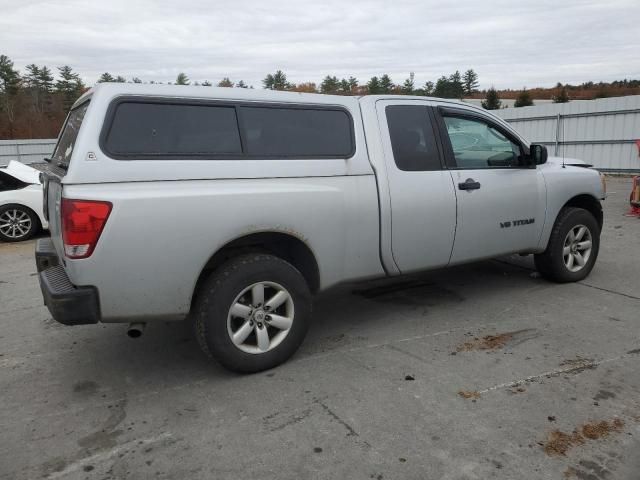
(252, 313)
(17, 223)
(573, 247)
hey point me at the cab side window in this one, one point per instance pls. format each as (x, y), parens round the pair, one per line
(412, 138)
(477, 144)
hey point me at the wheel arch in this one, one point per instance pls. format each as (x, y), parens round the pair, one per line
(284, 245)
(587, 202)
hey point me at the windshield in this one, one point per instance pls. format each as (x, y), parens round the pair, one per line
(62, 154)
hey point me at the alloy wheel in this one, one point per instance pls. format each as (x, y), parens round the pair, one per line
(260, 317)
(577, 248)
(15, 223)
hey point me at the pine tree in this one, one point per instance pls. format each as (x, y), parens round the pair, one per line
(353, 84)
(386, 85)
(136, 80)
(67, 78)
(408, 87)
(268, 82)
(9, 87)
(442, 88)
(39, 85)
(206, 83)
(523, 99)
(120, 79)
(449, 87)
(32, 78)
(9, 77)
(241, 84)
(492, 100)
(45, 79)
(470, 81)
(32, 83)
(330, 85)
(428, 88)
(348, 86)
(106, 77)
(456, 87)
(277, 81)
(373, 86)
(69, 86)
(225, 82)
(182, 79)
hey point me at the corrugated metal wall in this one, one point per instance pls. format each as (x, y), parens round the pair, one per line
(601, 132)
(25, 151)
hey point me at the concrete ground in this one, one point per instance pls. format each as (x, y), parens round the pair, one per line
(377, 391)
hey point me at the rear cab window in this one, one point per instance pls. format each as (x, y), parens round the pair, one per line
(67, 140)
(161, 129)
(138, 129)
(296, 132)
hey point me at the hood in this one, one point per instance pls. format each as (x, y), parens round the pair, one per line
(23, 172)
(573, 162)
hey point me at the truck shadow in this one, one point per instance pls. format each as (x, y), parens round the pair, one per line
(347, 315)
(344, 317)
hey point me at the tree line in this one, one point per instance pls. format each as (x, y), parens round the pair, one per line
(34, 103)
(456, 85)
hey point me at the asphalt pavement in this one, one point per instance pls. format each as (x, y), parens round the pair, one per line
(476, 372)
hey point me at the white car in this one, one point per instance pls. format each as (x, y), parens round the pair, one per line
(21, 214)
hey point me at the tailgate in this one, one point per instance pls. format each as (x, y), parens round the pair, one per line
(53, 175)
(52, 196)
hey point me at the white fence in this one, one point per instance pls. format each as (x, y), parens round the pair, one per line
(603, 132)
(25, 151)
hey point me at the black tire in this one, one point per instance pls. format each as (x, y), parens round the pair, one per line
(11, 210)
(220, 291)
(551, 263)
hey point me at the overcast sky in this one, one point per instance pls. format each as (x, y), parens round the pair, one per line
(509, 43)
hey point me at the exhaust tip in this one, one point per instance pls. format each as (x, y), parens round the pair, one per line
(135, 330)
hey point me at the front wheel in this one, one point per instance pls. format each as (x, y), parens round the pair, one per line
(17, 223)
(253, 312)
(573, 247)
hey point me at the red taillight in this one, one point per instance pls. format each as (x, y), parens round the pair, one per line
(82, 224)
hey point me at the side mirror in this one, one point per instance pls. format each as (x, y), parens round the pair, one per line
(538, 154)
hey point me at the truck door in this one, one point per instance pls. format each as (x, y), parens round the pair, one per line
(500, 199)
(421, 193)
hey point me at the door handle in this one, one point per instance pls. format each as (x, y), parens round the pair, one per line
(469, 184)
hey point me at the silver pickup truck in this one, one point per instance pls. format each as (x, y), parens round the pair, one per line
(233, 207)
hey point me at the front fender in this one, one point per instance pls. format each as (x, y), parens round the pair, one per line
(568, 185)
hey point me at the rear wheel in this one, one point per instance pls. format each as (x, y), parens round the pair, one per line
(253, 312)
(17, 223)
(573, 247)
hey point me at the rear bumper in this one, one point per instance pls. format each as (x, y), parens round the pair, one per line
(68, 304)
